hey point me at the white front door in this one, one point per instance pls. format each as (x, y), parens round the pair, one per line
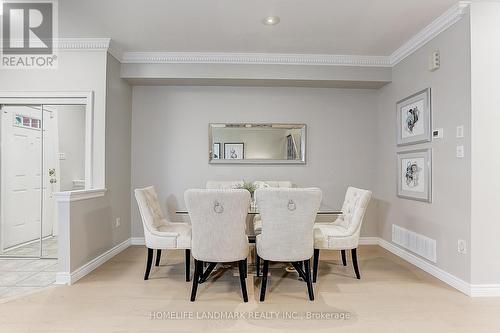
(22, 172)
(21, 162)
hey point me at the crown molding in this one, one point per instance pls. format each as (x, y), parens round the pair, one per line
(440, 24)
(252, 58)
(99, 44)
(444, 21)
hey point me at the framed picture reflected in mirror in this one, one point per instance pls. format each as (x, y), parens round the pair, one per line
(216, 151)
(234, 151)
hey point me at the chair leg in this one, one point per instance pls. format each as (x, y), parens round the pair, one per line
(148, 263)
(315, 264)
(187, 253)
(198, 268)
(158, 257)
(307, 265)
(205, 275)
(354, 255)
(298, 268)
(264, 281)
(246, 267)
(241, 266)
(344, 261)
(257, 264)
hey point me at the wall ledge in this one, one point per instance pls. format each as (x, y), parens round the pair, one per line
(70, 196)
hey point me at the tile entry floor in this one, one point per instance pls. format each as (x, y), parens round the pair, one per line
(24, 276)
(49, 249)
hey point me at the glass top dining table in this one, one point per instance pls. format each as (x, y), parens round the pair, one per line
(255, 211)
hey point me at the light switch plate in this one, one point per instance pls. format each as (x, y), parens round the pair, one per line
(460, 131)
(434, 61)
(462, 246)
(437, 133)
(62, 156)
(460, 151)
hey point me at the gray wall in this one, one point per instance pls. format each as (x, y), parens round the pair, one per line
(93, 229)
(170, 133)
(71, 129)
(118, 148)
(447, 218)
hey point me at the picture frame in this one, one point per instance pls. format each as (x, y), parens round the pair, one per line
(291, 149)
(216, 151)
(234, 151)
(414, 118)
(414, 180)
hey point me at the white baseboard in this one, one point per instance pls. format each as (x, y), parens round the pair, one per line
(426, 266)
(368, 241)
(473, 290)
(485, 290)
(137, 241)
(70, 278)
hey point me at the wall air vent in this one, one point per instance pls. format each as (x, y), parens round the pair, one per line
(416, 243)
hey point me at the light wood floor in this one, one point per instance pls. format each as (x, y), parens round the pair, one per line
(392, 296)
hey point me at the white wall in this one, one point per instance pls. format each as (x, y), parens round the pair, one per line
(447, 218)
(485, 94)
(170, 140)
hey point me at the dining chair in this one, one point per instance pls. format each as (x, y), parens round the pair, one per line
(343, 233)
(218, 232)
(288, 216)
(160, 234)
(257, 220)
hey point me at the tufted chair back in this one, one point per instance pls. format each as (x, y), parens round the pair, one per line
(218, 224)
(149, 207)
(273, 183)
(223, 184)
(354, 209)
(288, 216)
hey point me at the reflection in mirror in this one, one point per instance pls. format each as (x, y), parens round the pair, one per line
(257, 143)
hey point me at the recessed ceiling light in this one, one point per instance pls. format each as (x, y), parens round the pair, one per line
(271, 20)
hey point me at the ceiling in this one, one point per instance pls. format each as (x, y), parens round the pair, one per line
(353, 27)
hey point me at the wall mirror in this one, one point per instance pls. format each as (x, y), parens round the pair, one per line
(250, 143)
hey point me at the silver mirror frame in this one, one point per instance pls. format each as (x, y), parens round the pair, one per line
(303, 147)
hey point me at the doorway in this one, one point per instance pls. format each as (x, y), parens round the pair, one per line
(42, 152)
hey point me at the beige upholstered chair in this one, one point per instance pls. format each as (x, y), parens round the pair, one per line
(288, 216)
(159, 234)
(257, 222)
(343, 234)
(218, 230)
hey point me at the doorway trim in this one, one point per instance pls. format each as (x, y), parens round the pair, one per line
(94, 174)
(94, 137)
